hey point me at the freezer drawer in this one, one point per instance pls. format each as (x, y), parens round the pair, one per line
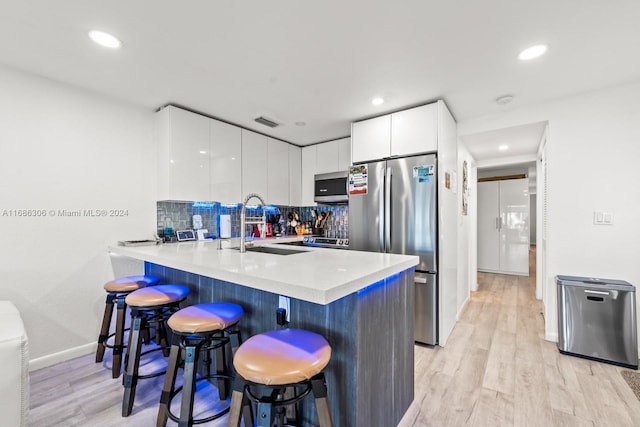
(597, 319)
(425, 308)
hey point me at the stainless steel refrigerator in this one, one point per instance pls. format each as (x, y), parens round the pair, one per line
(393, 209)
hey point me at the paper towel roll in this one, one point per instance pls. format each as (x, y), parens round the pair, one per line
(225, 226)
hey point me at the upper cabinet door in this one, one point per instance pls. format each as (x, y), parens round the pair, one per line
(415, 130)
(308, 174)
(277, 172)
(295, 175)
(371, 139)
(225, 160)
(189, 158)
(327, 157)
(344, 154)
(254, 164)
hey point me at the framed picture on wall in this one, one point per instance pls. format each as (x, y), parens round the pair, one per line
(465, 188)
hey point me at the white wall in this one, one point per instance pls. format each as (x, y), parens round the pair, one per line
(467, 249)
(593, 148)
(448, 224)
(62, 148)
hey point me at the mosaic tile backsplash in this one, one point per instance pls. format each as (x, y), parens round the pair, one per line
(178, 215)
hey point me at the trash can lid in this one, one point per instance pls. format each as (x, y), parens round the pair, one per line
(594, 281)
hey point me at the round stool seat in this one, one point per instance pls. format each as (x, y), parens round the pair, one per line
(213, 316)
(284, 356)
(157, 295)
(130, 283)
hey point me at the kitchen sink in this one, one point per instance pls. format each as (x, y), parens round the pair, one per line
(275, 251)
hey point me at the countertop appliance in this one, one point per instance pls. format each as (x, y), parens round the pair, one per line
(393, 208)
(597, 319)
(321, 242)
(331, 188)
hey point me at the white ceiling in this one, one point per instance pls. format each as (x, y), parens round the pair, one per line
(322, 62)
(522, 142)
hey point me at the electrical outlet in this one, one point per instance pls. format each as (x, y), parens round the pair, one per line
(285, 302)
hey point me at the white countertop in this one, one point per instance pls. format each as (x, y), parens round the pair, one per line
(316, 275)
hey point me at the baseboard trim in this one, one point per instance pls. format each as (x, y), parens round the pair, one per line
(462, 307)
(551, 336)
(62, 356)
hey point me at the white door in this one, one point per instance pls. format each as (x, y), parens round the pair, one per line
(488, 226)
(514, 229)
(503, 226)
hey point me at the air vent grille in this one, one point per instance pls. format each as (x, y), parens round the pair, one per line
(264, 121)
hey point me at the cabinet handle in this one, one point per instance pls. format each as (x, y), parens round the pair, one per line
(588, 291)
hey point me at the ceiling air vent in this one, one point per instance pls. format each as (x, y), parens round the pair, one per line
(264, 121)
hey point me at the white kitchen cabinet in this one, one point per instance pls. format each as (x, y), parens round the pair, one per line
(344, 154)
(183, 155)
(277, 172)
(295, 175)
(371, 139)
(414, 130)
(503, 226)
(333, 156)
(308, 173)
(327, 157)
(225, 161)
(254, 164)
(403, 133)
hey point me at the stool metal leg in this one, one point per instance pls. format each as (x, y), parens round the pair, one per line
(104, 330)
(189, 386)
(119, 337)
(319, 389)
(222, 369)
(169, 382)
(133, 362)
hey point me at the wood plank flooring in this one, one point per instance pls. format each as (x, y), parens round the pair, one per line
(496, 370)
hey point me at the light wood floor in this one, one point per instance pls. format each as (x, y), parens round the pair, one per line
(496, 370)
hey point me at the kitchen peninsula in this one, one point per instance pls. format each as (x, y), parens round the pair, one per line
(362, 302)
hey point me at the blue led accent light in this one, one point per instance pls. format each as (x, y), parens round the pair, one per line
(382, 282)
(204, 205)
(231, 205)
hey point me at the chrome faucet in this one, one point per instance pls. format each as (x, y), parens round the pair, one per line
(251, 220)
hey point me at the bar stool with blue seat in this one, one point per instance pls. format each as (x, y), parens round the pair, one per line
(117, 291)
(275, 361)
(150, 305)
(196, 330)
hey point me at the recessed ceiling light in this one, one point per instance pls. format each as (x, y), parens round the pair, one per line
(377, 101)
(105, 39)
(503, 147)
(203, 152)
(532, 52)
(504, 99)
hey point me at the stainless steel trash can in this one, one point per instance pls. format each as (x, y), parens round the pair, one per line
(597, 319)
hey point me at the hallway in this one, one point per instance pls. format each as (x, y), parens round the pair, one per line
(497, 370)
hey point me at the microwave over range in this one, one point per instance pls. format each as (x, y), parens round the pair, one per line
(331, 188)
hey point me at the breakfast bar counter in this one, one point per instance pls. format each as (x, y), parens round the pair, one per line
(361, 302)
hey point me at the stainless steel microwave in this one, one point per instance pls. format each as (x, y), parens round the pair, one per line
(331, 188)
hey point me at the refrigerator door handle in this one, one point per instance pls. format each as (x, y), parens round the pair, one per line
(387, 214)
(382, 244)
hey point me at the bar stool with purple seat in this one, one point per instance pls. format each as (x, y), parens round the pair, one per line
(152, 305)
(196, 330)
(276, 361)
(117, 291)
